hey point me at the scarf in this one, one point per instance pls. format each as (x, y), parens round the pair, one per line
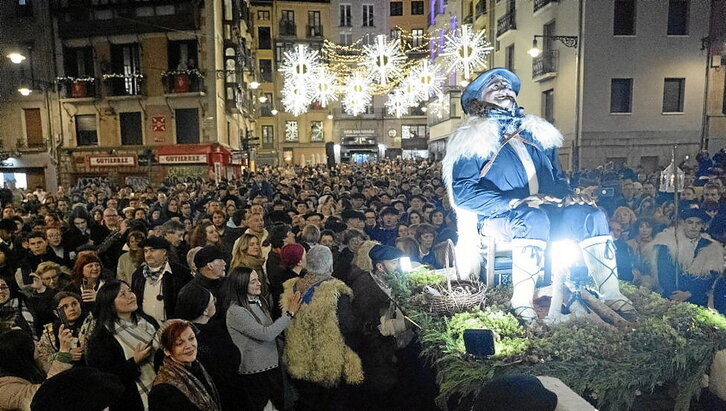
(508, 120)
(152, 276)
(307, 284)
(203, 396)
(129, 336)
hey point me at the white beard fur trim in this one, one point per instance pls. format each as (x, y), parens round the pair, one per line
(479, 136)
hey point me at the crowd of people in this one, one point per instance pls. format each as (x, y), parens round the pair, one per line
(268, 291)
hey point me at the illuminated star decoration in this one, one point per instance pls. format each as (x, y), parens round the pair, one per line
(383, 59)
(324, 85)
(357, 94)
(295, 97)
(466, 50)
(439, 107)
(428, 78)
(411, 90)
(397, 103)
(298, 68)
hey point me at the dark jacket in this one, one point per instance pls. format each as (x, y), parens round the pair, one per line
(166, 397)
(105, 353)
(170, 286)
(221, 358)
(31, 262)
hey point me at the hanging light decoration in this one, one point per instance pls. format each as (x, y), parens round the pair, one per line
(411, 90)
(324, 86)
(383, 59)
(439, 107)
(357, 94)
(295, 96)
(466, 50)
(397, 103)
(299, 63)
(429, 79)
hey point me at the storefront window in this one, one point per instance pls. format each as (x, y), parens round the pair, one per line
(291, 131)
(316, 131)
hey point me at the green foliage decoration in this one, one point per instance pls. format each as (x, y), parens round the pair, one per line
(667, 350)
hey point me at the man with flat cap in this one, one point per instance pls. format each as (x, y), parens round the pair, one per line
(503, 178)
(157, 281)
(686, 262)
(211, 270)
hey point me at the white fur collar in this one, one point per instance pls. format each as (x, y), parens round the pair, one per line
(708, 259)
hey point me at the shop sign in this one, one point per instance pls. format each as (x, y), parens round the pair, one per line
(236, 158)
(359, 133)
(182, 158)
(112, 161)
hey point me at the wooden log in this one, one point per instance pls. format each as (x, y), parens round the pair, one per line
(605, 312)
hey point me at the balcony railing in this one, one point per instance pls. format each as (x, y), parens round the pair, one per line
(288, 28)
(184, 81)
(538, 4)
(314, 31)
(506, 22)
(123, 85)
(77, 87)
(545, 63)
(481, 8)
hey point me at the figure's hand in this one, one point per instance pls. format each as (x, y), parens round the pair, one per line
(680, 295)
(88, 295)
(65, 339)
(77, 353)
(581, 199)
(534, 201)
(37, 283)
(141, 352)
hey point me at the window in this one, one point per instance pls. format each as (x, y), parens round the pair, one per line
(346, 39)
(187, 125)
(78, 62)
(621, 95)
(182, 55)
(367, 15)
(345, 15)
(723, 108)
(509, 58)
(263, 15)
(417, 8)
(413, 131)
(131, 129)
(315, 26)
(281, 47)
(316, 131)
(417, 37)
(396, 8)
(266, 107)
(86, 130)
(33, 127)
(624, 18)
(396, 34)
(291, 133)
(288, 16)
(126, 61)
(548, 105)
(264, 40)
(287, 25)
(266, 70)
(268, 136)
(24, 8)
(673, 89)
(678, 17)
(548, 30)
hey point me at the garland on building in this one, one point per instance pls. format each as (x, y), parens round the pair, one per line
(75, 79)
(189, 72)
(108, 76)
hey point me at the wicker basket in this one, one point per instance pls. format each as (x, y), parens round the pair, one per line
(457, 295)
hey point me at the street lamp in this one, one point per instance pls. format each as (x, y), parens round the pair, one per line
(568, 41)
(330, 116)
(16, 58)
(263, 99)
(254, 85)
(24, 91)
(274, 111)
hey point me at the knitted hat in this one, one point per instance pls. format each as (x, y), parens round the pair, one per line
(320, 260)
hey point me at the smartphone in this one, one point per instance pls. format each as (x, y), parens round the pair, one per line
(61, 313)
(84, 284)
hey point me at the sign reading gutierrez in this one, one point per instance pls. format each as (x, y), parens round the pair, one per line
(183, 158)
(111, 161)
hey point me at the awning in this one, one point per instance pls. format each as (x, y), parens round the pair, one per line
(194, 154)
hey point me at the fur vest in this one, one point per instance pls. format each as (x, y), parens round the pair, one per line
(707, 259)
(480, 137)
(315, 349)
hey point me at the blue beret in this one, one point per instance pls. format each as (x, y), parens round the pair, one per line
(384, 252)
(473, 90)
(693, 212)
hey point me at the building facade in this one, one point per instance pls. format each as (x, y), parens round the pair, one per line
(715, 126)
(29, 125)
(142, 91)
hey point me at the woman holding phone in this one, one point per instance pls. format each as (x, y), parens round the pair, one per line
(71, 316)
(122, 342)
(86, 279)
